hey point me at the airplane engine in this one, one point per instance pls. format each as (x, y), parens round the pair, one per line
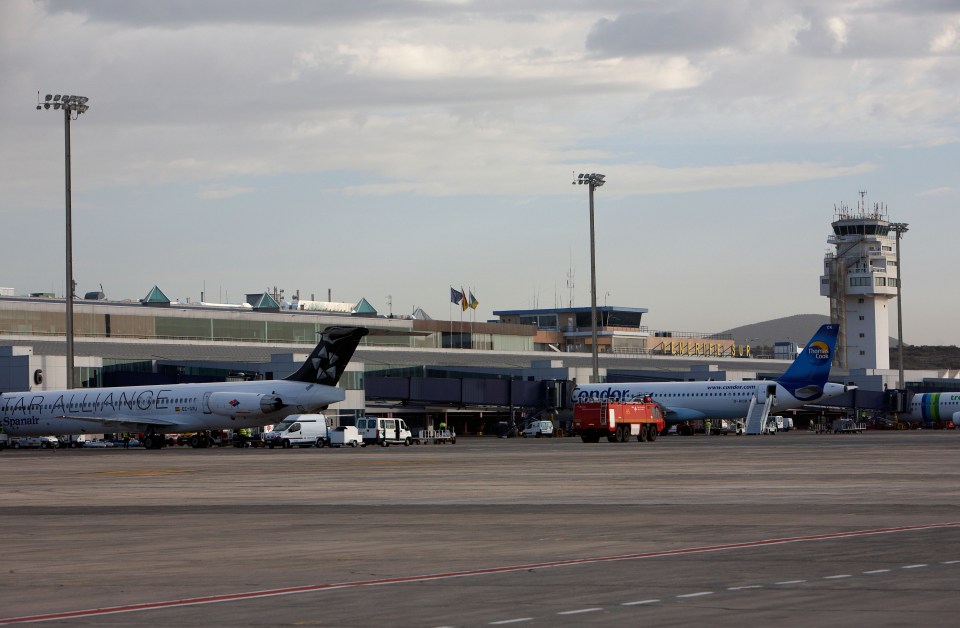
(231, 404)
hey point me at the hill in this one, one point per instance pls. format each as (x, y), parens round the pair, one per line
(798, 328)
(801, 327)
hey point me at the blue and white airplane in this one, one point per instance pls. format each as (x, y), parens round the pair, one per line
(803, 383)
(936, 407)
(158, 410)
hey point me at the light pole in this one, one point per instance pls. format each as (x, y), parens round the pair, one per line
(900, 228)
(72, 107)
(594, 180)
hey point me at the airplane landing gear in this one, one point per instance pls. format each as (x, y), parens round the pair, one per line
(153, 441)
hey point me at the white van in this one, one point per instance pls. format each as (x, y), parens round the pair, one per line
(303, 430)
(538, 429)
(384, 432)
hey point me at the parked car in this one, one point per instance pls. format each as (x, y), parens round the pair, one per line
(77, 440)
(44, 442)
(538, 429)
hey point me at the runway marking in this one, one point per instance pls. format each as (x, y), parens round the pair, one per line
(746, 586)
(837, 577)
(510, 621)
(145, 472)
(870, 573)
(913, 566)
(698, 594)
(639, 602)
(581, 610)
(950, 562)
(790, 582)
(311, 588)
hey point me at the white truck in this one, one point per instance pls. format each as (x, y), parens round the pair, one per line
(301, 430)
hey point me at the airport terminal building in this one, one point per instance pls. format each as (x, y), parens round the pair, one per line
(468, 373)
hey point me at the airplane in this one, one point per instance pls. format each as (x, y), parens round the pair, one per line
(936, 407)
(157, 410)
(804, 382)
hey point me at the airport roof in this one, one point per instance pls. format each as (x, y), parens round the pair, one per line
(372, 355)
(575, 310)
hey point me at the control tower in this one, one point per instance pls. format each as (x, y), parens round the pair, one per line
(861, 278)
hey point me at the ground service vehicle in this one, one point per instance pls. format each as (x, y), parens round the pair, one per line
(302, 430)
(384, 431)
(538, 429)
(45, 442)
(618, 421)
(847, 426)
(346, 435)
(75, 440)
(728, 426)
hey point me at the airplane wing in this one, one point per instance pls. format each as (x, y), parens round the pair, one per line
(114, 423)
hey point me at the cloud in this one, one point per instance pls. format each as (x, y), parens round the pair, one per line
(183, 13)
(938, 192)
(648, 179)
(218, 193)
(851, 31)
(670, 28)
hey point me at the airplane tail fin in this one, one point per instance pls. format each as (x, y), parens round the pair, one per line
(807, 375)
(330, 357)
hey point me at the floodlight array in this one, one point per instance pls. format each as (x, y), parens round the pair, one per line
(73, 104)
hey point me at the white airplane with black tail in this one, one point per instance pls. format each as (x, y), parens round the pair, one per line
(804, 382)
(158, 410)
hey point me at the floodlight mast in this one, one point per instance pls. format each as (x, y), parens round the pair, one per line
(899, 229)
(594, 180)
(72, 107)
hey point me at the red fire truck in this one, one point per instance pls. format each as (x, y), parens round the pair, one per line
(618, 421)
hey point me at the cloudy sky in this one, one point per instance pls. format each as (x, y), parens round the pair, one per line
(393, 149)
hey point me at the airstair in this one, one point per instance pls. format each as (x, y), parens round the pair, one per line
(757, 414)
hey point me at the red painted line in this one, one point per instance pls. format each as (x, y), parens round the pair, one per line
(249, 595)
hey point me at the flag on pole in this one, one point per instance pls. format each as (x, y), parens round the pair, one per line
(463, 300)
(455, 296)
(473, 303)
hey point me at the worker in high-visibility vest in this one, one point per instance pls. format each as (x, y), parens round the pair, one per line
(707, 426)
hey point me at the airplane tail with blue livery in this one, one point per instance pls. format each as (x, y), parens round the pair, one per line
(807, 376)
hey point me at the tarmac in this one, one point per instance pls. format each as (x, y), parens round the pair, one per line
(796, 529)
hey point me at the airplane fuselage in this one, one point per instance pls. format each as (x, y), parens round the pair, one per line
(691, 401)
(935, 407)
(174, 408)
